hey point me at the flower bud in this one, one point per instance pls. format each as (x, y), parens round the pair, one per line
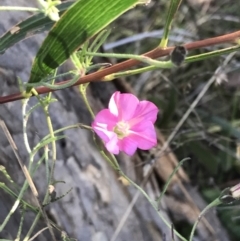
(235, 191)
(50, 9)
(229, 195)
(178, 55)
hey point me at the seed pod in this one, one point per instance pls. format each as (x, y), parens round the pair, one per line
(178, 55)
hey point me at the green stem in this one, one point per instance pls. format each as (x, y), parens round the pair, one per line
(128, 73)
(13, 194)
(54, 149)
(46, 163)
(190, 59)
(56, 86)
(83, 89)
(25, 185)
(16, 203)
(47, 79)
(170, 179)
(215, 53)
(144, 193)
(51, 134)
(79, 125)
(21, 223)
(32, 226)
(54, 154)
(32, 208)
(152, 203)
(215, 203)
(141, 58)
(11, 8)
(114, 164)
(25, 137)
(13, 209)
(37, 234)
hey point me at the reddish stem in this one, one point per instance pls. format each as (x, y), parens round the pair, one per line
(155, 53)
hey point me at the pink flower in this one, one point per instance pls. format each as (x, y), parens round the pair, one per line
(127, 124)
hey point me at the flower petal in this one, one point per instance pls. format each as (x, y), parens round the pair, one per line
(112, 105)
(123, 105)
(146, 111)
(144, 134)
(112, 145)
(128, 145)
(106, 117)
(101, 130)
(126, 109)
(109, 138)
(103, 124)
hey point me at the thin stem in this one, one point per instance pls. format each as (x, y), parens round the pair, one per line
(114, 164)
(141, 58)
(155, 53)
(32, 226)
(211, 54)
(25, 185)
(83, 89)
(57, 86)
(152, 203)
(21, 223)
(51, 134)
(170, 179)
(113, 161)
(46, 163)
(41, 211)
(47, 79)
(38, 233)
(215, 203)
(128, 73)
(54, 148)
(189, 59)
(16, 203)
(25, 120)
(11, 8)
(193, 105)
(144, 193)
(79, 125)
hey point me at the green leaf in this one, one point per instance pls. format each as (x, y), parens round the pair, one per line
(174, 5)
(80, 22)
(33, 25)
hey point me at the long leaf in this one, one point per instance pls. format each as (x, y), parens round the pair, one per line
(33, 25)
(80, 22)
(174, 5)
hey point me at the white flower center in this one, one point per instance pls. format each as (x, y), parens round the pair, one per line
(121, 129)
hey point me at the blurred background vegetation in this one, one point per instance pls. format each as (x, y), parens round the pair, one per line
(211, 134)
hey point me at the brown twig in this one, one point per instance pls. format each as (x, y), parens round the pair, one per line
(155, 53)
